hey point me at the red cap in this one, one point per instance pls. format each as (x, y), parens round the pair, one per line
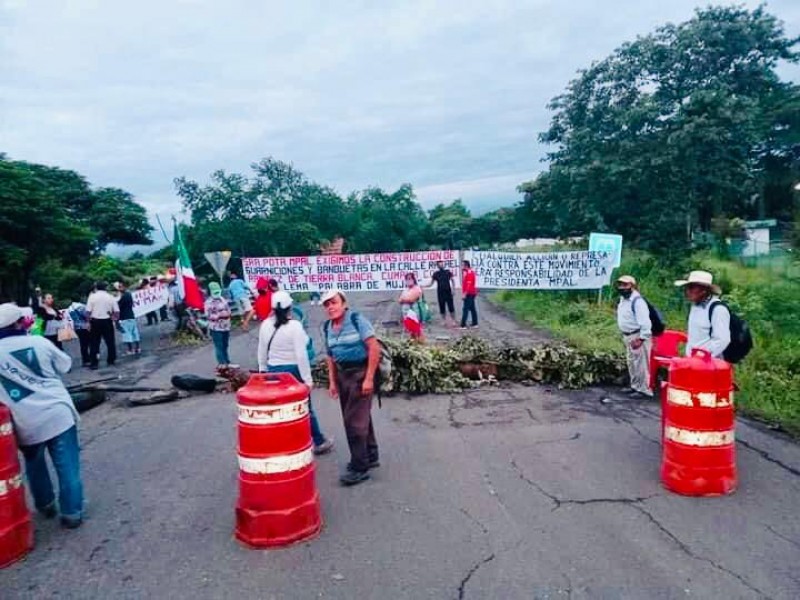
(262, 283)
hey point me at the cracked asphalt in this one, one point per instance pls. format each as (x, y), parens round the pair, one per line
(502, 492)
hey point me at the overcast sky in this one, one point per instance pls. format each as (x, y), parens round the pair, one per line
(448, 96)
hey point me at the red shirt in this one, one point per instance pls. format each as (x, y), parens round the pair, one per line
(263, 305)
(469, 286)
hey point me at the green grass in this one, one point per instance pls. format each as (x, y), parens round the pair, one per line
(769, 378)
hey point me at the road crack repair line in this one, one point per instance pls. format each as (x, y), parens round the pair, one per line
(637, 504)
(462, 588)
(768, 457)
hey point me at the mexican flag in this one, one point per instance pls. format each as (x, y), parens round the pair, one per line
(187, 284)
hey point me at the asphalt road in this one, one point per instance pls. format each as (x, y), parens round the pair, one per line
(511, 492)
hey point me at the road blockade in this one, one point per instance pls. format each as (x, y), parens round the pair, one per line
(699, 447)
(16, 529)
(278, 498)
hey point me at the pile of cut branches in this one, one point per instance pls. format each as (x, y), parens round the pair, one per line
(426, 369)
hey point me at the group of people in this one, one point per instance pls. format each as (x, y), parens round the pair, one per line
(412, 299)
(709, 325)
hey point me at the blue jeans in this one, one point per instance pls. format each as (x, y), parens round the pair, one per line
(221, 339)
(469, 309)
(316, 431)
(65, 455)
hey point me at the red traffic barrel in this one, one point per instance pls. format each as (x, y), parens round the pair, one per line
(16, 529)
(699, 446)
(278, 498)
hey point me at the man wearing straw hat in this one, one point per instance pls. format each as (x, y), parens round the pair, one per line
(633, 320)
(709, 325)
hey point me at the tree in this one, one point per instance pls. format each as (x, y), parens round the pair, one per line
(50, 219)
(669, 131)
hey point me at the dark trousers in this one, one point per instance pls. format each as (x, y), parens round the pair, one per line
(152, 318)
(357, 416)
(446, 304)
(469, 308)
(103, 329)
(85, 340)
(54, 340)
(163, 314)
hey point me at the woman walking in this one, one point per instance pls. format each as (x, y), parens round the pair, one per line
(283, 348)
(219, 323)
(353, 356)
(53, 320)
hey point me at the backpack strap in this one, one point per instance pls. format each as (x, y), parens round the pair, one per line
(326, 327)
(711, 308)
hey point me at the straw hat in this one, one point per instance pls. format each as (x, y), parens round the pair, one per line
(627, 279)
(703, 278)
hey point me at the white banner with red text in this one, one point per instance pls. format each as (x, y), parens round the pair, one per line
(149, 299)
(579, 270)
(377, 272)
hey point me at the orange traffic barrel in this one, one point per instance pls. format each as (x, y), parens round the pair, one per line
(699, 446)
(16, 529)
(278, 502)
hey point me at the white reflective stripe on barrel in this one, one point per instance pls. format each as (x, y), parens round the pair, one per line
(704, 399)
(699, 438)
(679, 397)
(276, 464)
(272, 414)
(6, 429)
(9, 485)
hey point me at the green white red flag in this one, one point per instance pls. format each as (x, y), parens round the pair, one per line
(187, 283)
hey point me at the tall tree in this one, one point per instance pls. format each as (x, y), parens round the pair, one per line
(669, 131)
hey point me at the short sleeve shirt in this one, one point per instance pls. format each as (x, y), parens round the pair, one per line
(237, 289)
(126, 307)
(442, 279)
(214, 307)
(102, 305)
(347, 345)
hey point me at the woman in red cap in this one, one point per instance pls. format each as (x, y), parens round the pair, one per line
(263, 303)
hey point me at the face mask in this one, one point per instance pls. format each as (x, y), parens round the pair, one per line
(625, 293)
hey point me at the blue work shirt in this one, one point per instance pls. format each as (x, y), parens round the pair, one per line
(238, 289)
(347, 345)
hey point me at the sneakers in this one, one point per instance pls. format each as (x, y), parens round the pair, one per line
(351, 477)
(373, 463)
(324, 448)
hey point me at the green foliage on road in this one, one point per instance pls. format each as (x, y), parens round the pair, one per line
(52, 224)
(769, 377)
(439, 369)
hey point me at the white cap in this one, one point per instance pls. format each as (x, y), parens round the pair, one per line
(10, 314)
(281, 299)
(331, 294)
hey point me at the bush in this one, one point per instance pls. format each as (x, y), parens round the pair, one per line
(769, 378)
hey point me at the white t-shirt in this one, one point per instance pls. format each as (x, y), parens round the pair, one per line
(288, 347)
(102, 305)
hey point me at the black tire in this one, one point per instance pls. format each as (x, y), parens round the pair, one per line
(194, 383)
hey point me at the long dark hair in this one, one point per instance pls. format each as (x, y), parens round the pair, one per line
(282, 316)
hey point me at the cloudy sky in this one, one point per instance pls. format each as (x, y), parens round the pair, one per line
(448, 96)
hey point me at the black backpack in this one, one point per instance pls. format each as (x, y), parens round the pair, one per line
(741, 338)
(656, 318)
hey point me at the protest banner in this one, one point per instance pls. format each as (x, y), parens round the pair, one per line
(149, 299)
(580, 270)
(293, 273)
(375, 272)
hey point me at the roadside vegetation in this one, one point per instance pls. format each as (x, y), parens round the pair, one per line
(769, 378)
